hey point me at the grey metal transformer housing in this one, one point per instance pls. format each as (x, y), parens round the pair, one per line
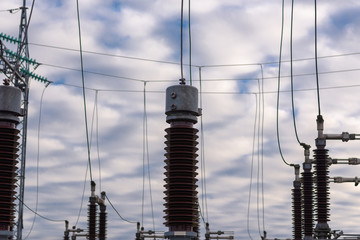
(182, 103)
(10, 103)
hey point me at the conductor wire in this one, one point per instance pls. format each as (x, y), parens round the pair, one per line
(181, 40)
(316, 60)
(83, 88)
(37, 162)
(278, 90)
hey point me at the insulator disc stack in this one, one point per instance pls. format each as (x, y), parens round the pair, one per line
(296, 211)
(322, 185)
(8, 155)
(102, 223)
(10, 110)
(181, 206)
(308, 202)
(92, 219)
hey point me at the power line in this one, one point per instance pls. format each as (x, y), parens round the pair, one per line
(83, 88)
(37, 160)
(252, 167)
(278, 91)
(204, 80)
(181, 41)
(43, 217)
(316, 61)
(117, 212)
(194, 65)
(190, 70)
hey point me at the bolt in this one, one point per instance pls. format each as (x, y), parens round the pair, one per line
(173, 95)
(173, 107)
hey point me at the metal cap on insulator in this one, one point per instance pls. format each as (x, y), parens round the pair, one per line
(10, 103)
(182, 103)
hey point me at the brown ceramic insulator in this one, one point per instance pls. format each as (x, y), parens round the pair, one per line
(181, 203)
(308, 203)
(102, 225)
(92, 221)
(296, 211)
(322, 185)
(8, 160)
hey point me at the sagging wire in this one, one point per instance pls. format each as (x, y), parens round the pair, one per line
(190, 44)
(292, 75)
(202, 152)
(117, 212)
(38, 160)
(83, 88)
(43, 217)
(87, 164)
(278, 90)
(252, 167)
(181, 41)
(147, 158)
(316, 60)
(261, 151)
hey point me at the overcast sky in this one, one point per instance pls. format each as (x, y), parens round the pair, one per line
(134, 45)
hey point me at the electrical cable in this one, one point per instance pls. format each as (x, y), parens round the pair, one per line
(278, 92)
(190, 44)
(83, 87)
(107, 198)
(43, 217)
(204, 80)
(252, 168)
(87, 165)
(176, 63)
(37, 161)
(97, 136)
(316, 62)
(181, 41)
(291, 72)
(147, 157)
(258, 159)
(202, 154)
(262, 146)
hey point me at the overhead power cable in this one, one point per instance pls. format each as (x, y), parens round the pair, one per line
(252, 167)
(190, 51)
(117, 212)
(204, 80)
(278, 92)
(202, 154)
(194, 65)
(83, 88)
(181, 41)
(316, 60)
(37, 161)
(41, 216)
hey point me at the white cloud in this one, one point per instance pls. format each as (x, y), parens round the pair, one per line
(223, 32)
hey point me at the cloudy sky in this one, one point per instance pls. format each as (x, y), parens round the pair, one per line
(132, 47)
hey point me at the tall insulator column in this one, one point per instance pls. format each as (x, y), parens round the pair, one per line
(10, 102)
(322, 193)
(296, 205)
(181, 201)
(307, 196)
(102, 219)
(308, 202)
(92, 214)
(322, 229)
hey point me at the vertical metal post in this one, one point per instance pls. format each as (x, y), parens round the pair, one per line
(23, 50)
